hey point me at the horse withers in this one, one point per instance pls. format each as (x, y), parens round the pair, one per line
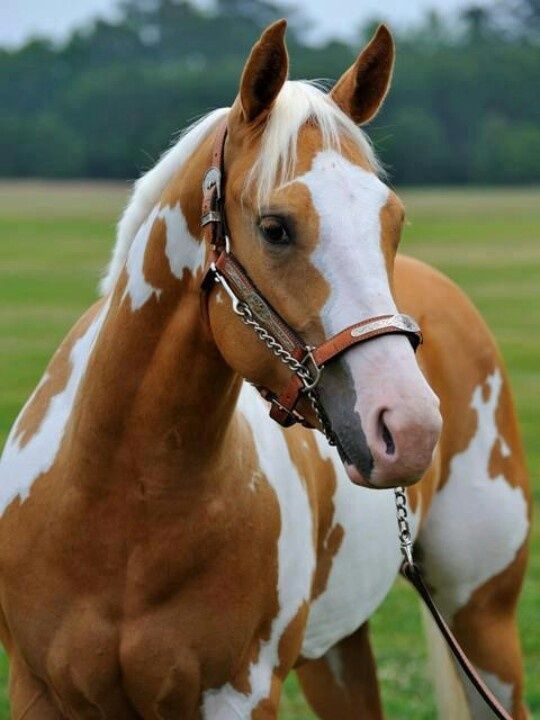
(166, 550)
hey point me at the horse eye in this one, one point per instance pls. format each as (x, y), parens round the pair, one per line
(274, 231)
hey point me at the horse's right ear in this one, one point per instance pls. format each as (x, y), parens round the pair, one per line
(264, 74)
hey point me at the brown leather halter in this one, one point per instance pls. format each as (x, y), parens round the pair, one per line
(305, 361)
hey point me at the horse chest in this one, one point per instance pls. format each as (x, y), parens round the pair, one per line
(363, 566)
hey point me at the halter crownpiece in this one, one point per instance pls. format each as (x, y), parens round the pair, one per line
(305, 362)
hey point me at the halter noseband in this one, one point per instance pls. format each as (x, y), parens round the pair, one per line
(306, 362)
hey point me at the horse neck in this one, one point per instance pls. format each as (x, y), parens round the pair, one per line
(157, 395)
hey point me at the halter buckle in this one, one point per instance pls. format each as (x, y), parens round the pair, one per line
(315, 371)
(218, 278)
(212, 179)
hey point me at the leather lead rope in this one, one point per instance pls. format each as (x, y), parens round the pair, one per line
(306, 364)
(412, 573)
(409, 569)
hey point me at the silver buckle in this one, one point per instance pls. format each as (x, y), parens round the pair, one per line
(314, 370)
(228, 289)
(212, 179)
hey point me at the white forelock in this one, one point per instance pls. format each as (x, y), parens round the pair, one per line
(298, 102)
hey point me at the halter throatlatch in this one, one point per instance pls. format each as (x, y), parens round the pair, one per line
(306, 362)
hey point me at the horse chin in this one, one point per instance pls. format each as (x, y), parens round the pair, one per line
(356, 476)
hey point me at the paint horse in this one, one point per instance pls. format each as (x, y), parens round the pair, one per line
(166, 551)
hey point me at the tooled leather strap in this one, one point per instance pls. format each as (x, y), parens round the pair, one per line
(412, 573)
(212, 219)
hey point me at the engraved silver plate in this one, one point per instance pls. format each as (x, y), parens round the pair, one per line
(402, 322)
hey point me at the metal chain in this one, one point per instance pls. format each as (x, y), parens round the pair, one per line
(244, 312)
(404, 529)
(271, 343)
(324, 422)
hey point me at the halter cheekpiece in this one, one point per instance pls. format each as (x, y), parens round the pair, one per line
(306, 362)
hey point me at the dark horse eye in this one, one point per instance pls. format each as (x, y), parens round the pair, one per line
(274, 231)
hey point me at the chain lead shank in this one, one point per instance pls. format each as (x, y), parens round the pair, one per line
(404, 529)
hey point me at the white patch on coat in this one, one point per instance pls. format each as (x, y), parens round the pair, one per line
(365, 565)
(183, 252)
(255, 479)
(348, 201)
(335, 665)
(138, 289)
(476, 523)
(296, 559)
(21, 466)
(504, 692)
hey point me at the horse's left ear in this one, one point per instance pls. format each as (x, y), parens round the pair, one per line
(264, 73)
(361, 90)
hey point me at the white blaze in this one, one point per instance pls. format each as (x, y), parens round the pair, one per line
(348, 201)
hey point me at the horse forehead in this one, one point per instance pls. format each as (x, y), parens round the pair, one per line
(343, 191)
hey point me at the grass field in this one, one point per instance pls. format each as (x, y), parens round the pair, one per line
(55, 239)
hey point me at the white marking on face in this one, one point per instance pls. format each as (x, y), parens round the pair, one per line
(296, 558)
(476, 523)
(383, 375)
(348, 201)
(365, 565)
(183, 252)
(21, 466)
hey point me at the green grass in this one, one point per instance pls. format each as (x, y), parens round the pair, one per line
(55, 239)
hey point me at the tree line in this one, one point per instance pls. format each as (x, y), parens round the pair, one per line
(464, 107)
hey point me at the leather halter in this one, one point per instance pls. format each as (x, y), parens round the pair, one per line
(223, 267)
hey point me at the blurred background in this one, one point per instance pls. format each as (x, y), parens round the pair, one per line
(91, 93)
(101, 98)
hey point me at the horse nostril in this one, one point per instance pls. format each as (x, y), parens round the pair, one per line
(386, 435)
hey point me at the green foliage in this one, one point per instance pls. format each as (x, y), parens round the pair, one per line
(107, 103)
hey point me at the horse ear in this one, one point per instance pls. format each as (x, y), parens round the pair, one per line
(361, 90)
(265, 72)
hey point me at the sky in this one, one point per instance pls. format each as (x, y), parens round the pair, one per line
(330, 18)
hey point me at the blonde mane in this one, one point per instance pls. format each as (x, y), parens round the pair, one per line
(297, 103)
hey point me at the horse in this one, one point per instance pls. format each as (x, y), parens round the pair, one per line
(166, 550)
